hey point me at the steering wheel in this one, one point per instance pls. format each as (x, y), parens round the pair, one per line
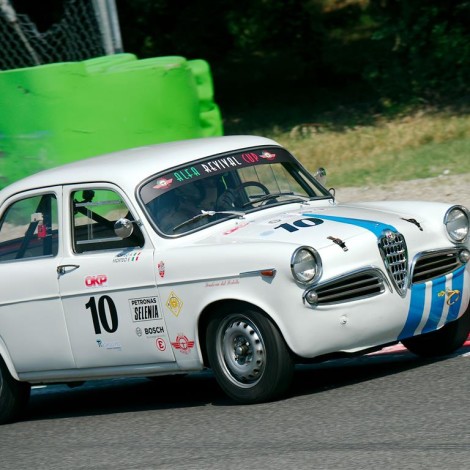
(256, 184)
(234, 197)
(238, 190)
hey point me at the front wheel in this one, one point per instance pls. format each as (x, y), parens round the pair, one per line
(248, 356)
(14, 395)
(447, 340)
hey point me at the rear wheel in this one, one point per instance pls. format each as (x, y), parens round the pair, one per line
(248, 356)
(14, 395)
(441, 342)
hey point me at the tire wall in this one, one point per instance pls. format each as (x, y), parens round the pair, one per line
(57, 113)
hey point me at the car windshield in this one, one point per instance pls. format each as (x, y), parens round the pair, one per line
(226, 186)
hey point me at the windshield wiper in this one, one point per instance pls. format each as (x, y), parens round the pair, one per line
(267, 197)
(205, 214)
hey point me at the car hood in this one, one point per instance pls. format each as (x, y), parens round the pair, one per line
(321, 225)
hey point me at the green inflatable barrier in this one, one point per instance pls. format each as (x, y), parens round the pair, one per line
(57, 113)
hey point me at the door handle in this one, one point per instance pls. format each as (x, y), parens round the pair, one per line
(62, 269)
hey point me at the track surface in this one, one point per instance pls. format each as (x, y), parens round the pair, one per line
(388, 410)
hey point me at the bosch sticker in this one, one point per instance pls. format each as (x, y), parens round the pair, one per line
(154, 330)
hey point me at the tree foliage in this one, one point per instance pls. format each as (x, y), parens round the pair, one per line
(402, 49)
(425, 47)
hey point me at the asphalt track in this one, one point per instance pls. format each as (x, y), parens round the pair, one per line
(389, 410)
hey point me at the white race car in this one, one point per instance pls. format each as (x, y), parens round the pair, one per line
(222, 253)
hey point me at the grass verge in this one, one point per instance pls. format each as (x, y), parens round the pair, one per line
(423, 145)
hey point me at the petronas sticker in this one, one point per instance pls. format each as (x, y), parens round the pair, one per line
(174, 304)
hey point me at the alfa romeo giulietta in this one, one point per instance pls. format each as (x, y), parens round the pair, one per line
(221, 253)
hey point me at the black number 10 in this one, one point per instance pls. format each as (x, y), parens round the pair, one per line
(100, 319)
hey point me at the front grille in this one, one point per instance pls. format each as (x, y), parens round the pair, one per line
(351, 287)
(393, 250)
(430, 265)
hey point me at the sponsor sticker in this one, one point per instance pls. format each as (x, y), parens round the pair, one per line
(161, 269)
(130, 257)
(234, 229)
(99, 280)
(144, 309)
(154, 330)
(163, 183)
(267, 155)
(183, 344)
(115, 345)
(174, 304)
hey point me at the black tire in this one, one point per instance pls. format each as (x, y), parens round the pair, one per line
(441, 342)
(14, 395)
(249, 358)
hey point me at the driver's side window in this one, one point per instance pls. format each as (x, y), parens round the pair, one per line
(95, 211)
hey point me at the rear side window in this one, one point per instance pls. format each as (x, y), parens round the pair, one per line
(95, 211)
(29, 229)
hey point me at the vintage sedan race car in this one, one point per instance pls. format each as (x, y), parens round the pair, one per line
(221, 253)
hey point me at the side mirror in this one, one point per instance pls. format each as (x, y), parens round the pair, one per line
(123, 228)
(320, 176)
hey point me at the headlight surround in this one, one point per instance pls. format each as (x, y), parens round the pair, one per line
(457, 223)
(305, 265)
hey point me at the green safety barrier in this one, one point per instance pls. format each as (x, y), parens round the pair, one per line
(57, 113)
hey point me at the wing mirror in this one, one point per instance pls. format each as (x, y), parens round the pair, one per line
(320, 176)
(123, 228)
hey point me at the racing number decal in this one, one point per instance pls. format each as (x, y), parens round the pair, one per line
(99, 314)
(300, 223)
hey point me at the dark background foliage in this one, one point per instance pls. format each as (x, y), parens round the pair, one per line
(293, 56)
(305, 54)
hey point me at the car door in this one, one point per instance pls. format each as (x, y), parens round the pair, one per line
(108, 284)
(32, 327)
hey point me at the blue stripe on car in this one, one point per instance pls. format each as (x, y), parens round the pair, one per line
(437, 307)
(457, 284)
(437, 304)
(375, 227)
(415, 312)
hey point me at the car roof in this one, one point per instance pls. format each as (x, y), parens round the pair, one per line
(129, 167)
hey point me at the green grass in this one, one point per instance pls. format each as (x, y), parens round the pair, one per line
(421, 145)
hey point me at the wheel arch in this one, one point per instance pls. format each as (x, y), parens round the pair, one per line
(230, 306)
(5, 356)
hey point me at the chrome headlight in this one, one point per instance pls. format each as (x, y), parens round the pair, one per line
(457, 223)
(305, 265)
